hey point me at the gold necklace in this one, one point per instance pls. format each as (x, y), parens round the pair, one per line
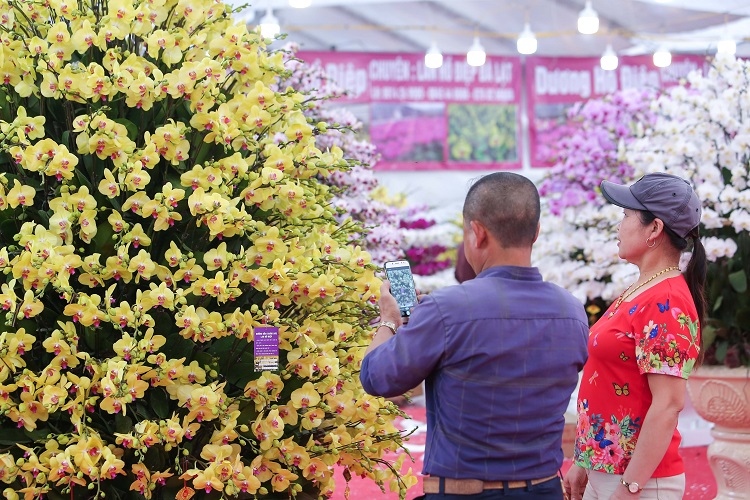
(627, 292)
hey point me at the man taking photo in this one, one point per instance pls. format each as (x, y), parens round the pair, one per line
(499, 354)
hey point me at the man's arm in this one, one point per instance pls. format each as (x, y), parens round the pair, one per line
(389, 311)
(393, 365)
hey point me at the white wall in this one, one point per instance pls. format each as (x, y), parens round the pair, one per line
(442, 190)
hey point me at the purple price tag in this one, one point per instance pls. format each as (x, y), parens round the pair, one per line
(266, 348)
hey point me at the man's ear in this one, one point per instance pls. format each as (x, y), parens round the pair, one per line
(538, 228)
(480, 233)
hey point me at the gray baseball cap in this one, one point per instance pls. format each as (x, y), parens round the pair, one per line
(668, 197)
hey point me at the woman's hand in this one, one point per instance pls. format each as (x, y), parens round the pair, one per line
(622, 493)
(575, 482)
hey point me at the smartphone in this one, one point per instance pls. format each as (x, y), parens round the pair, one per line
(399, 274)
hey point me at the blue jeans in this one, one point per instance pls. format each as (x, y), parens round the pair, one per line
(548, 490)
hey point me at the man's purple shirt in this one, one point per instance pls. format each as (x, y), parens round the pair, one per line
(500, 356)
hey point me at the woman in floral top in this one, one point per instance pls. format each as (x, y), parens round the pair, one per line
(642, 350)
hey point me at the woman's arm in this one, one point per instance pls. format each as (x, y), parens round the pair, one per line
(658, 428)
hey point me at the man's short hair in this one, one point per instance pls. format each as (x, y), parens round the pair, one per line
(507, 204)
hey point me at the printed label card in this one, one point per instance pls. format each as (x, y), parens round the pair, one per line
(266, 348)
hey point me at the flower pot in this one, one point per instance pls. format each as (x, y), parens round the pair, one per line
(722, 395)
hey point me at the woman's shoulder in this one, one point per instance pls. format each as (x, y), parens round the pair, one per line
(669, 293)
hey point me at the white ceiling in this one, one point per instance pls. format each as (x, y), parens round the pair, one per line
(631, 26)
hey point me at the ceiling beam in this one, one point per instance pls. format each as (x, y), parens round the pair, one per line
(319, 42)
(391, 31)
(449, 11)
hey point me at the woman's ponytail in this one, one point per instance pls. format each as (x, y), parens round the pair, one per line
(695, 276)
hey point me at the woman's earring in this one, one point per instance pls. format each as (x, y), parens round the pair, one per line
(652, 241)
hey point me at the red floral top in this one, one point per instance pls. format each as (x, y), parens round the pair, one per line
(655, 332)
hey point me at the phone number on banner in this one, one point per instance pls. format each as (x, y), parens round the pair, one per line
(420, 93)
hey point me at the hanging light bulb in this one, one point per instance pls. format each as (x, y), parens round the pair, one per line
(269, 25)
(588, 20)
(609, 59)
(662, 57)
(526, 43)
(476, 55)
(300, 4)
(726, 47)
(433, 58)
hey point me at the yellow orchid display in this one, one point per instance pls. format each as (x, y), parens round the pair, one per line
(159, 202)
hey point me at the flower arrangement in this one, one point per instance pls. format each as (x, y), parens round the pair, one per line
(575, 249)
(698, 131)
(598, 130)
(159, 202)
(701, 133)
(357, 194)
(430, 248)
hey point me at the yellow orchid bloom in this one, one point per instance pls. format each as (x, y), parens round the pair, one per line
(108, 186)
(158, 295)
(87, 223)
(217, 258)
(117, 222)
(142, 265)
(20, 195)
(112, 465)
(305, 397)
(83, 36)
(189, 271)
(8, 297)
(135, 202)
(136, 236)
(31, 305)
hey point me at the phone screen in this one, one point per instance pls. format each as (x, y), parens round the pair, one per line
(402, 285)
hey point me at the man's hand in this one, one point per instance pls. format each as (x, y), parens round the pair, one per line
(575, 482)
(389, 310)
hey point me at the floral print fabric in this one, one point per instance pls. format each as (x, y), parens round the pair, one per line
(657, 332)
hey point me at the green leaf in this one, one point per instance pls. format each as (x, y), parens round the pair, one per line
(82, 177)
(13, 436)
(53, 495)
(7, 229)
(102, 241)
(709, 335)
(721, 351)
(123, 424)
(130, 126)
(43, 217)
(738, 280)
(159, 402)
(718, 302)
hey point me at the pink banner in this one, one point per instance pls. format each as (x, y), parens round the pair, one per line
(456, 117)
(555, 84)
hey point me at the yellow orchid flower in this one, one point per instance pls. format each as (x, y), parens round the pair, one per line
(83, 36)
(20, 195)
(217, 258)
(136, 236)
(158, 295)
(117, 222)
(109, 186)
(188, 271)
(135, 202)
(31, 305)
(87, 223)
(8, 297)
(112, 466)
(137, 179)
(305, 397)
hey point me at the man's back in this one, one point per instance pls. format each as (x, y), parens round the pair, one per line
(500, 355)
